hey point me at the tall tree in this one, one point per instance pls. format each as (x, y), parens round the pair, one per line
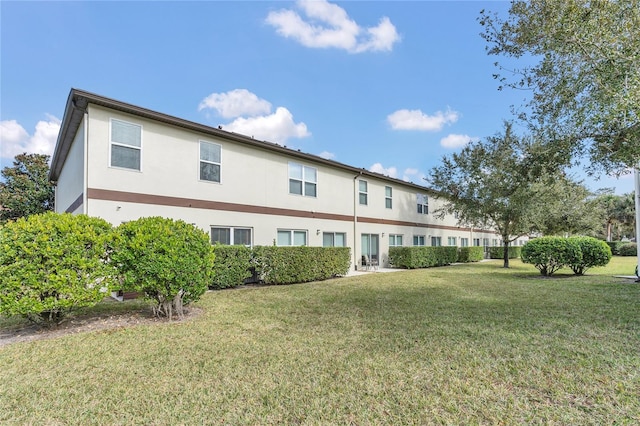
(491, 184)
(586, 82)
(619, 217)
(26, 189)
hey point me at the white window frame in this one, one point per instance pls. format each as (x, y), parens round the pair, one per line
(362, 193)
(232, 230)
(293, 233)
(333, 234)
(453, 240)
(419, 240)
(393, 240)
(304, 180)
(436, 241)
(200, 160)
(388, 197)
(124, 145)
(464, 242)
(422, 202)
(477, 242)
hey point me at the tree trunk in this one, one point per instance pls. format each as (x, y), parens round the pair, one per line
(505, 244)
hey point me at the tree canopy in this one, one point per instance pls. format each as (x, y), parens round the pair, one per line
(26, 189)
(586, 83)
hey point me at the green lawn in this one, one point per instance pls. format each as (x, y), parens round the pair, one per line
(469, 344)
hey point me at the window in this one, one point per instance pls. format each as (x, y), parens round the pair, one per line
(388, 197)
(451, 241)
(476, 242)
(495, 242)
(303, 180)
(418, 240)
(436, 241)
(289, 237)
(456, 215)
(395, 240)
(364, 194)
(231, 236)
(485, 242)
(423, 203)
(333, 239)
(464, 242)
(126, 144)
(209, 161)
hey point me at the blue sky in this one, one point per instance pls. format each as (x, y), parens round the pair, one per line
(386, 86)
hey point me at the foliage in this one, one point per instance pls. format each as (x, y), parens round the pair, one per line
(620, 217)
(615, 246)
(498, 252)
(232, 265)
(470, 254)
(565, 207)
(586, 85)
(288, 265)
(52, 264)
(422, 257)
(595, 252)
(491, 184)
(169, 261)
(549, 254)
(26, 189)
(629, 249)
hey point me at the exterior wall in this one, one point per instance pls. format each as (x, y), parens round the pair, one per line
(253, 191)
(70, 186)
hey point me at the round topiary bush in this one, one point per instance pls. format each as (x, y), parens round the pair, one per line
(52, 264)
(549, 254)
(629, 249)
(168, 261)
(595, 252)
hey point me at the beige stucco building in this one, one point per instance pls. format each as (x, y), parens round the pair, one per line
(120, 162)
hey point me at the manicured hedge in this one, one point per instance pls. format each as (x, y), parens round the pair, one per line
(288, 265)
(595, 252)
(498, 252)
(470, 254)
(549, 254)
(615, 246)
(232, 266)
(628, 249)
(422, 257)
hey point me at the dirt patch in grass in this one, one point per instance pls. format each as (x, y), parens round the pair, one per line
(87, 322)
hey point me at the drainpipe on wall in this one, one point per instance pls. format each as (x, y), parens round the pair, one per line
(355, 220)
(85, 206)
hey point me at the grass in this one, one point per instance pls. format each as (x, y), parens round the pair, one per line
(468, 344)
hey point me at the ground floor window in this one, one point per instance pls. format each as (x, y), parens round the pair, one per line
(451, 241)
(476, 242)
(395, 240)
(436, 241)
(292, 237)
(334, 239)
(464, 242)
(418, 240)
(229, 235)
(370, 249)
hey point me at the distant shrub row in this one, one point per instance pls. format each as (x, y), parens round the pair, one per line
(549, 254)
(498, 252)
(278, 265)
(623, 248)
(427, 256)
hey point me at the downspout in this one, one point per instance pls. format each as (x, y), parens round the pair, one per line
(355, 220)
(85, 183)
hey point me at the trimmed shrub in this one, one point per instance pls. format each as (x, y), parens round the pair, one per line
(498, 252)
(289, 265)
(168, 261)
(422, 257)
(615, 246)
(595, 252)
(470, 254)
(629, 249)
(549, 254)
(52, 264)
(232, 266)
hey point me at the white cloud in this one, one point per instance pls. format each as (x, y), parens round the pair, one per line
(14, 139)
(327, 155)
(405, 119)
(413, 175)
(379, 168)
(276, 127)
(456, 141)
(327, 25)
(236, 103)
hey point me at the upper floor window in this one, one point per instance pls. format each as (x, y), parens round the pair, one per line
(334, 239)
(303, 180)
(126, 144)
(291, 237)
(363, 193)
(423, 203)
(231, 236)
(209, 161)
(395, 240)
(388, 197)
